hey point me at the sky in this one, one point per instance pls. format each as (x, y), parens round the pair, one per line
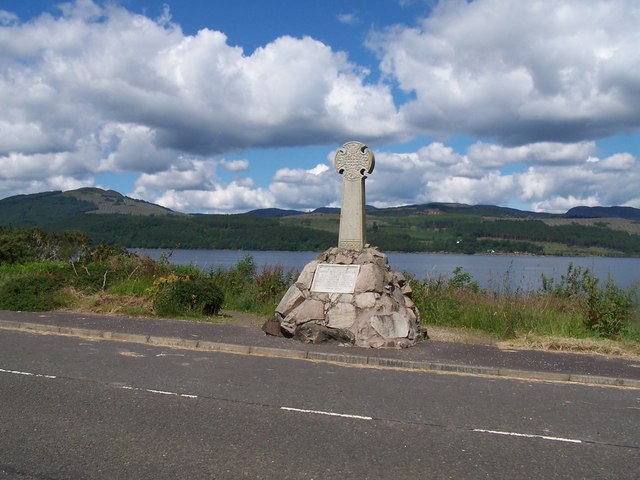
(226, 106)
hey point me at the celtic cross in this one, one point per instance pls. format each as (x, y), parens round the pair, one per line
(353, 161)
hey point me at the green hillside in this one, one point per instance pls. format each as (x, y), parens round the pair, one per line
(48, 208)
(108, 217)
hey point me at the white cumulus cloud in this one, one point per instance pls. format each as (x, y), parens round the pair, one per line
(137, 94)
(519, 72)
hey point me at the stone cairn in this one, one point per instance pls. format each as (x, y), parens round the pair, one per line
(349, 295)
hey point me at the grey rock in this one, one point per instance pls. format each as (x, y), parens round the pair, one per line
(291, 300)
(314, 333)
(306, 276)
(364, 257)
(307, 311)
(370, 279)
(365, 300)
(391, 326)
(343, 259)
(341, 315)
(272, 326)
(345, 298)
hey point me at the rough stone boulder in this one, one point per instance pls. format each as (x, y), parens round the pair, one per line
(379, 312)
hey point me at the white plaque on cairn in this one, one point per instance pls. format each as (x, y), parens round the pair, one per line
(333, 278)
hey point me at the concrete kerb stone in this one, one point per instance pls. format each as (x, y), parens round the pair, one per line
(10, 324)
(224, 347)
(173, 342)
(630, 383)
(83, 332)
(40, 328)
(278, 353)
(466, 369)
(596, 380)
(533, 375)
(338, 358)
(129, 337)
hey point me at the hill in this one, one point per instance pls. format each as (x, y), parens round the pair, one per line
(628, 213)
(44, 208)
(272, 213)
(107, 216)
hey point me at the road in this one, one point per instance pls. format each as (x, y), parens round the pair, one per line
(72, 408)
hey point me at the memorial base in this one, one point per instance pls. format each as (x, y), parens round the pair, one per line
(366, 304)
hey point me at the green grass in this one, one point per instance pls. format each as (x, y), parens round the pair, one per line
(503, 316)
(578, 307)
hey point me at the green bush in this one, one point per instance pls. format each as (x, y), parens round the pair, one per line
(114, 269)
(606, 310)
(609, 309)
(34, 244)
(248, 290)
(31, 293)
(188, 296)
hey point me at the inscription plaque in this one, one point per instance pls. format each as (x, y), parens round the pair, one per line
(331, 278)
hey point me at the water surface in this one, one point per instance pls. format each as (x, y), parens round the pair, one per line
(490, 271)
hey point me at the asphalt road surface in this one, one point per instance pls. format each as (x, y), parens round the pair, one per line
(80, 409)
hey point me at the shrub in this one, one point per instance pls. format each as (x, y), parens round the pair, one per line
(105, 268)
(27, 245)
(272, 282)
(606, 310)
(247, 290)
(609, 309)
(31, 293)
(463, 280)
(188, 296)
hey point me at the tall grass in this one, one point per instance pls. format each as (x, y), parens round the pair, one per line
(575, 307)
(251, 290)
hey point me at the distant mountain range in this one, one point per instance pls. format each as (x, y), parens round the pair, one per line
(628, 213)
(34, 207)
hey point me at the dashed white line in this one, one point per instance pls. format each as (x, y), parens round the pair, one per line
(29, 374)
(316, 412)
(332, 414)
(124, 387)
(160, 392)
(527, 435)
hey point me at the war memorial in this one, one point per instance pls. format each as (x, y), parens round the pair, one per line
(349, 294)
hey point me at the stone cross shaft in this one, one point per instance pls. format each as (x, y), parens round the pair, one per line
(353, 160)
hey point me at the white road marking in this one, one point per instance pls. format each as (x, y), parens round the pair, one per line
(161, 392)
(527, 435)
(29, 374)
(124, 387)
(332, 414)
